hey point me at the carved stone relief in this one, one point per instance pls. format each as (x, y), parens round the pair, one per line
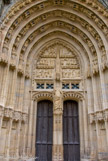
(57, 61)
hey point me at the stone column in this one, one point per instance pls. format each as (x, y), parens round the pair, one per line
(34, 128)
(4, 85)
(57, 127)
(25, 139)
(12, 98)
(8, 139)
(1, 118)
(29, 147)
(98, 138)
(85, 123)
(18, 138)
(81, 128)
(106, 124)
(103, 88)
(106, 127)
(92, 143)
(96, 104)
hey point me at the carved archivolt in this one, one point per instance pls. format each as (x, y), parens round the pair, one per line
(35, 25)
(42, 95)
(78, 96)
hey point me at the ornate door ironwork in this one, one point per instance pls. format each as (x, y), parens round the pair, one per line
(44, 131)
(71, 131)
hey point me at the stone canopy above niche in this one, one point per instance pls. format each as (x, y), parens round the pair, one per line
(57, 60)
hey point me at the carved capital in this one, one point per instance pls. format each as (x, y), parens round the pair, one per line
(105, 115)
(95, 66)
(17, 116)
(88, 72)
(13, 64)
(1, 110)
(20, 69)
(92, 118)
(99, 116)
(8, 112)
(27, 74)
(104, 64)
(3, 59)
(25, 117)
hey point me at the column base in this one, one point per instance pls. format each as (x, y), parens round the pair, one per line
(57, 153)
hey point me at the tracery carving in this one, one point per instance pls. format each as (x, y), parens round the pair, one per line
(62, 59)
(68, 73)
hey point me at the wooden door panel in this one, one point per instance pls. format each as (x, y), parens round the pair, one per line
(71, 131)
(44, 131)
(50, 133)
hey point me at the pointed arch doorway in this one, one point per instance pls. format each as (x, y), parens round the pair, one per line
(44, 131)
(71, 141)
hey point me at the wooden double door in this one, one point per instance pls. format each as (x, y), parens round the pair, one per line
(44, 131)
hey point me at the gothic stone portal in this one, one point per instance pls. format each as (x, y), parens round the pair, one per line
(57, 71)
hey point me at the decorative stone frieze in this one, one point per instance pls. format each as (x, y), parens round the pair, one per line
(14, 115)
(98, 116)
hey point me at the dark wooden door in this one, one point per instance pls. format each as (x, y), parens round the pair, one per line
(71, 131)
(44, 131)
